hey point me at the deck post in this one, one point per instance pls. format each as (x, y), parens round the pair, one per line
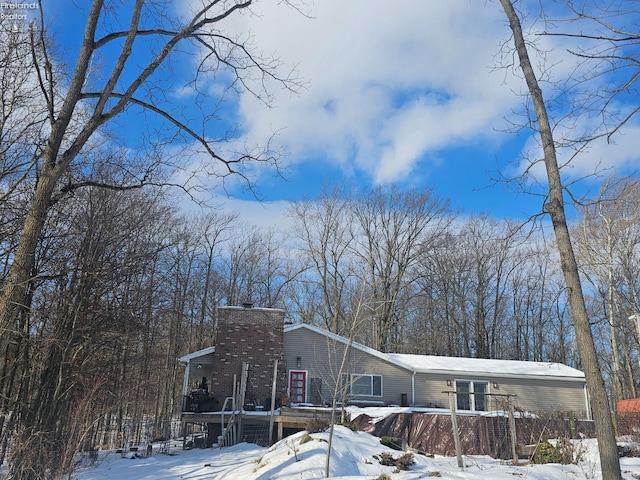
(273, 400)
(512, 428)
(454, 426)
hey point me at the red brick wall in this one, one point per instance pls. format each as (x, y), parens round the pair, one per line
(253, 335)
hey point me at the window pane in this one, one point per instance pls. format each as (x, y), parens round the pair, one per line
(377, 385)
(463, 397)
(480, 399)
(462, 386)
(361, 385)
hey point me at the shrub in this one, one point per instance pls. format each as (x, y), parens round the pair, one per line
(401, 463)
(547, 453)
(316, 425)
(630, 451)
(382, 476)
(350, 425)
(392, 442)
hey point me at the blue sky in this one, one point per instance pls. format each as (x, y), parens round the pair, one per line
(410, 94)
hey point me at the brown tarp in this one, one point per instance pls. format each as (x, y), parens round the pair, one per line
(479, 435)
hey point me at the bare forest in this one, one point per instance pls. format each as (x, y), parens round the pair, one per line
(107, 279)
(137, 283)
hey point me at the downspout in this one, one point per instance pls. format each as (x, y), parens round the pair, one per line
(413, 388)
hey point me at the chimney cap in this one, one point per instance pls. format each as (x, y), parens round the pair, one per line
(247, 304)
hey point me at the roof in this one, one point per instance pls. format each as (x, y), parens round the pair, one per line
(631, 405)
(200, 353)
(511, 368)
(459, 365)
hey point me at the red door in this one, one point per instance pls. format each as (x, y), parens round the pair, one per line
(297, 386)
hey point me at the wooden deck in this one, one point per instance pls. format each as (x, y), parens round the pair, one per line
(284, 417)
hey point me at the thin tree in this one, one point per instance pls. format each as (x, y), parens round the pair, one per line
(555, 207)
(356, 317)
(607, 238)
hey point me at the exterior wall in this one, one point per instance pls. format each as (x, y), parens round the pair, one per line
(321, 356)
(255, 336)
(530, 394)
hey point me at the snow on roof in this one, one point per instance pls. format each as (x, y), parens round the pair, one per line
(431, 363)
(458, 365)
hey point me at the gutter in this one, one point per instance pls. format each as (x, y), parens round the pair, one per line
(488, 374)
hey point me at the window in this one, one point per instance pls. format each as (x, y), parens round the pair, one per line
(472, 395)
(480, 389)
(364, 385)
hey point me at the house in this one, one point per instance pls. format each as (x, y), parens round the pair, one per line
(368, 377)
(314, 365)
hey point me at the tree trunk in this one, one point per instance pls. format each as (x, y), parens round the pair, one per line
(609, 463)
(17, 285)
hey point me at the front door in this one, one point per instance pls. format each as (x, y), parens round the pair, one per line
(297, 386)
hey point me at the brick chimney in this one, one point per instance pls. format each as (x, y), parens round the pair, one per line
(253, 335)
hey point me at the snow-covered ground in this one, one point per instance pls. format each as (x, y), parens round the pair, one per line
(353, 458)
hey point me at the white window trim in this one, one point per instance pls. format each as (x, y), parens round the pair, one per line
(349, 384)
(471, 393)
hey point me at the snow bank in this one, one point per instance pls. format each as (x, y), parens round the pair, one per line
(353, 458)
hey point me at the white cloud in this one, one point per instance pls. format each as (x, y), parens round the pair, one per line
(388, 84)
(620, 153)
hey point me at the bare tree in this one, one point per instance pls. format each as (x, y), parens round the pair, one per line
(393, 228)
(82, 327)
(94, 97)
(324, 229)
(58, 133)
(344, 361)
(604, 88)
(215, 230)
(480, 292)
(534, 288)
(555, 207)
(607, 237)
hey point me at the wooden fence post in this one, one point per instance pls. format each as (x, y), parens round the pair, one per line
(512, 428)
(454, 426)
(273, 400)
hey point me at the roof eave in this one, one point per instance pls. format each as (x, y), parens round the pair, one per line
(200, 353)
(522, 376)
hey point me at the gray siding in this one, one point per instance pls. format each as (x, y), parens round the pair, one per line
(529, 394)
(321, 358)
